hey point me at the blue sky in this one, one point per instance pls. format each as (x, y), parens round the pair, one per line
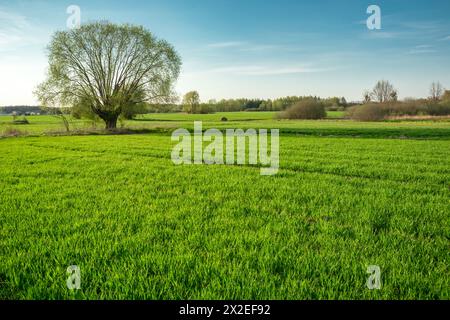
(248, 48)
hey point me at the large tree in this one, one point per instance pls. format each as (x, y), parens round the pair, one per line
(109, 67)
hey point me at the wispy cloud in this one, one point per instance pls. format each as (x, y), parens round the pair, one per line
(228, 44)
(370, 34)
(256, 70)
(422, 25)
(398, 27)
(17, 31)
(247, 46)
(445, 38)
(260, 47)
(422, 49)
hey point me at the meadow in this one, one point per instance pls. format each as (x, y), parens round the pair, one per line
(334, 125)
(348, 195)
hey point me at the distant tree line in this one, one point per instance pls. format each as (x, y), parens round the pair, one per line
(191, 104)
(383, 103)
(21, 110)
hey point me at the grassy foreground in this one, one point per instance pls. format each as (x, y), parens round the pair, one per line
(140, 227)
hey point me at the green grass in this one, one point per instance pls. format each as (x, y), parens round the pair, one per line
(48, 125)
(140, 227)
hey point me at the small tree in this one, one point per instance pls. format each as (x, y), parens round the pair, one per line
(367, 97)
(383, 92)
(436, 91)
(191, 102)
(61, 114)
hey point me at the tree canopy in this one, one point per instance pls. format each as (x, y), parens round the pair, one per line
(109, 68)
(384, 91)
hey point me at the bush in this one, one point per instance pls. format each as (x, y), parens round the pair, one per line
(407, 108)
(441, 109)
(377, 112)
(12, 132)
(224, 119)
(22, 121)
(306, 109)
(367, 112)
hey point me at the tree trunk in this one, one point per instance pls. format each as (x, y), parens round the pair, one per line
(111, 123)
(109, 118)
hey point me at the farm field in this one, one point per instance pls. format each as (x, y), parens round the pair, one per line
(348, 195)
(50, 125)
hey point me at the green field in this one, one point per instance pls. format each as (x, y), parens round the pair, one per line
(333, 126)
(348, 195)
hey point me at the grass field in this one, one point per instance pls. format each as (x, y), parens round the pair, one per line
(334, 126)
(348, 195)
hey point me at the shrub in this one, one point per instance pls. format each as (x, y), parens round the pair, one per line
(224, 119)
(22, 121)
(377, 112)
(407, 108)
(367, 112)
(306, 109)
(441, 109)
(12, 132)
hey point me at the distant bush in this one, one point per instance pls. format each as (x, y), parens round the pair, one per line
(407, 108)
(418, 108)
(441, 109)
(367, 112)
(21, 121)
(306, 109)
(12, 132)
(224, 119)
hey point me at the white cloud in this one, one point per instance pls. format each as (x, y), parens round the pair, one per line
(16, 31)
(423, 49)
(422, 25)
(226, 44)
(423, 46)
(381, 34)
(255, 70)
(246, 46)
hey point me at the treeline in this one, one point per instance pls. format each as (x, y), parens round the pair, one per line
(191, 104)
(382, 103)
(376, 111)
(379, 104)
(21, 110)
(279, 104)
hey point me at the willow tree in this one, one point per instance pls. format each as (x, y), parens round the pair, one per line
(108, 67)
